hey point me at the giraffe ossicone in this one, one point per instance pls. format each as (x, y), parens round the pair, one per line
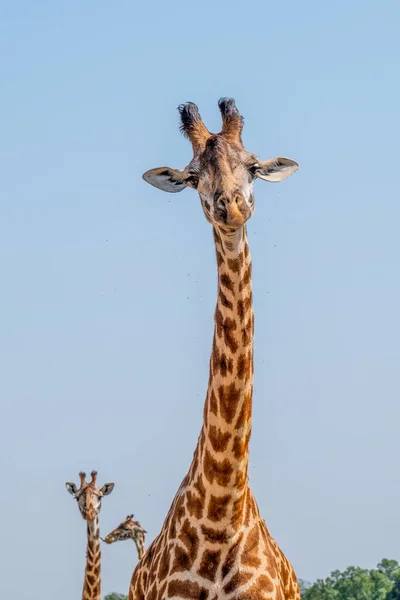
(88, 497)
(213, 544)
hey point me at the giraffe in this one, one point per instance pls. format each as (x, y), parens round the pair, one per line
(213, 544)
(89, 498)
(128, 530)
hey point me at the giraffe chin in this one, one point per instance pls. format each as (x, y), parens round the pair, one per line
(233, 221)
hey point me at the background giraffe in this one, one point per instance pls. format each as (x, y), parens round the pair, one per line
(128, 530)
(214, 543)
(89, 498)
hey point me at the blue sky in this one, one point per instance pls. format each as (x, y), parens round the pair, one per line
(109, 285)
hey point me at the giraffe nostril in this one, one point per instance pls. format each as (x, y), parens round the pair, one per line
(221, 203)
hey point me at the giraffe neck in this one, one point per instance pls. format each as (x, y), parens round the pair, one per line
(139, 543)
(221, 458)
(92, 583)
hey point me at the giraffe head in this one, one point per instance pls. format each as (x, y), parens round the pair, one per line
(221, 170)
(89, 495)
(128, 529)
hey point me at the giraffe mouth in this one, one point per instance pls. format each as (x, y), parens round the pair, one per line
(108, 539)
(233, 216)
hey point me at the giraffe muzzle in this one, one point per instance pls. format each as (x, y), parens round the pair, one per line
(234, 213)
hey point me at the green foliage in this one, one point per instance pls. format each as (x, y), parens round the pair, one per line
(391, 568)
(115, 596)
(303, 585)
(358, 584)
(394, 593)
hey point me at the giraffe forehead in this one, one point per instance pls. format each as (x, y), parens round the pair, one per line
(220, 154)
(89, 492)
(88, 497)
(224, 168)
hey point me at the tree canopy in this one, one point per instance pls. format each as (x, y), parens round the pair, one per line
(355, 583)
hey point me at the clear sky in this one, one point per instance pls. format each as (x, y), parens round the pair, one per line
(108, 285)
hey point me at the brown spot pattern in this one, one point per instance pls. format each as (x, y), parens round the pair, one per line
(179, 508)
(209, 564)
(245, 279)
(221, 472)
(220, 258)
(226, 281)
(185, 557)
(237, 581)
(225, 301)
(265, 583)
(243, 306)
(236, 263)
(182, 560)
(194, 505)
(164, 563)
(243, 367)
(284, 574)
(214, 536)
(152, 593)
(229, 327)
(186, 589)
(237, 512)
(199, 486)
(250, 550)
(231, 557)
(228, 401)
(189, 537)
(248, 511)
(217, 507)
(219, 440)
(245, 412)
(163, 588)
(240, 446)
(221, 363)
(225, 327)
(213, 403)
(240, 480)
(247, 336)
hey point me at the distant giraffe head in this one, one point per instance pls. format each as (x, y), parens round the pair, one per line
(89, 495)
(221, 170)
(128, 530)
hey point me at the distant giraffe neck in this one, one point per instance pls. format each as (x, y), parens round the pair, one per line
(139, 543)
(92, 583)
(222, 453)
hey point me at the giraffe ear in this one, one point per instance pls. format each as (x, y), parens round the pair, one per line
(170, 180)
(107, 489)
(71, 488)
(276, 169)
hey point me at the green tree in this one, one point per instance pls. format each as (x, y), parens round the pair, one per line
(355, 583)
(394, 593)
(390, 567)
(115, 596)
